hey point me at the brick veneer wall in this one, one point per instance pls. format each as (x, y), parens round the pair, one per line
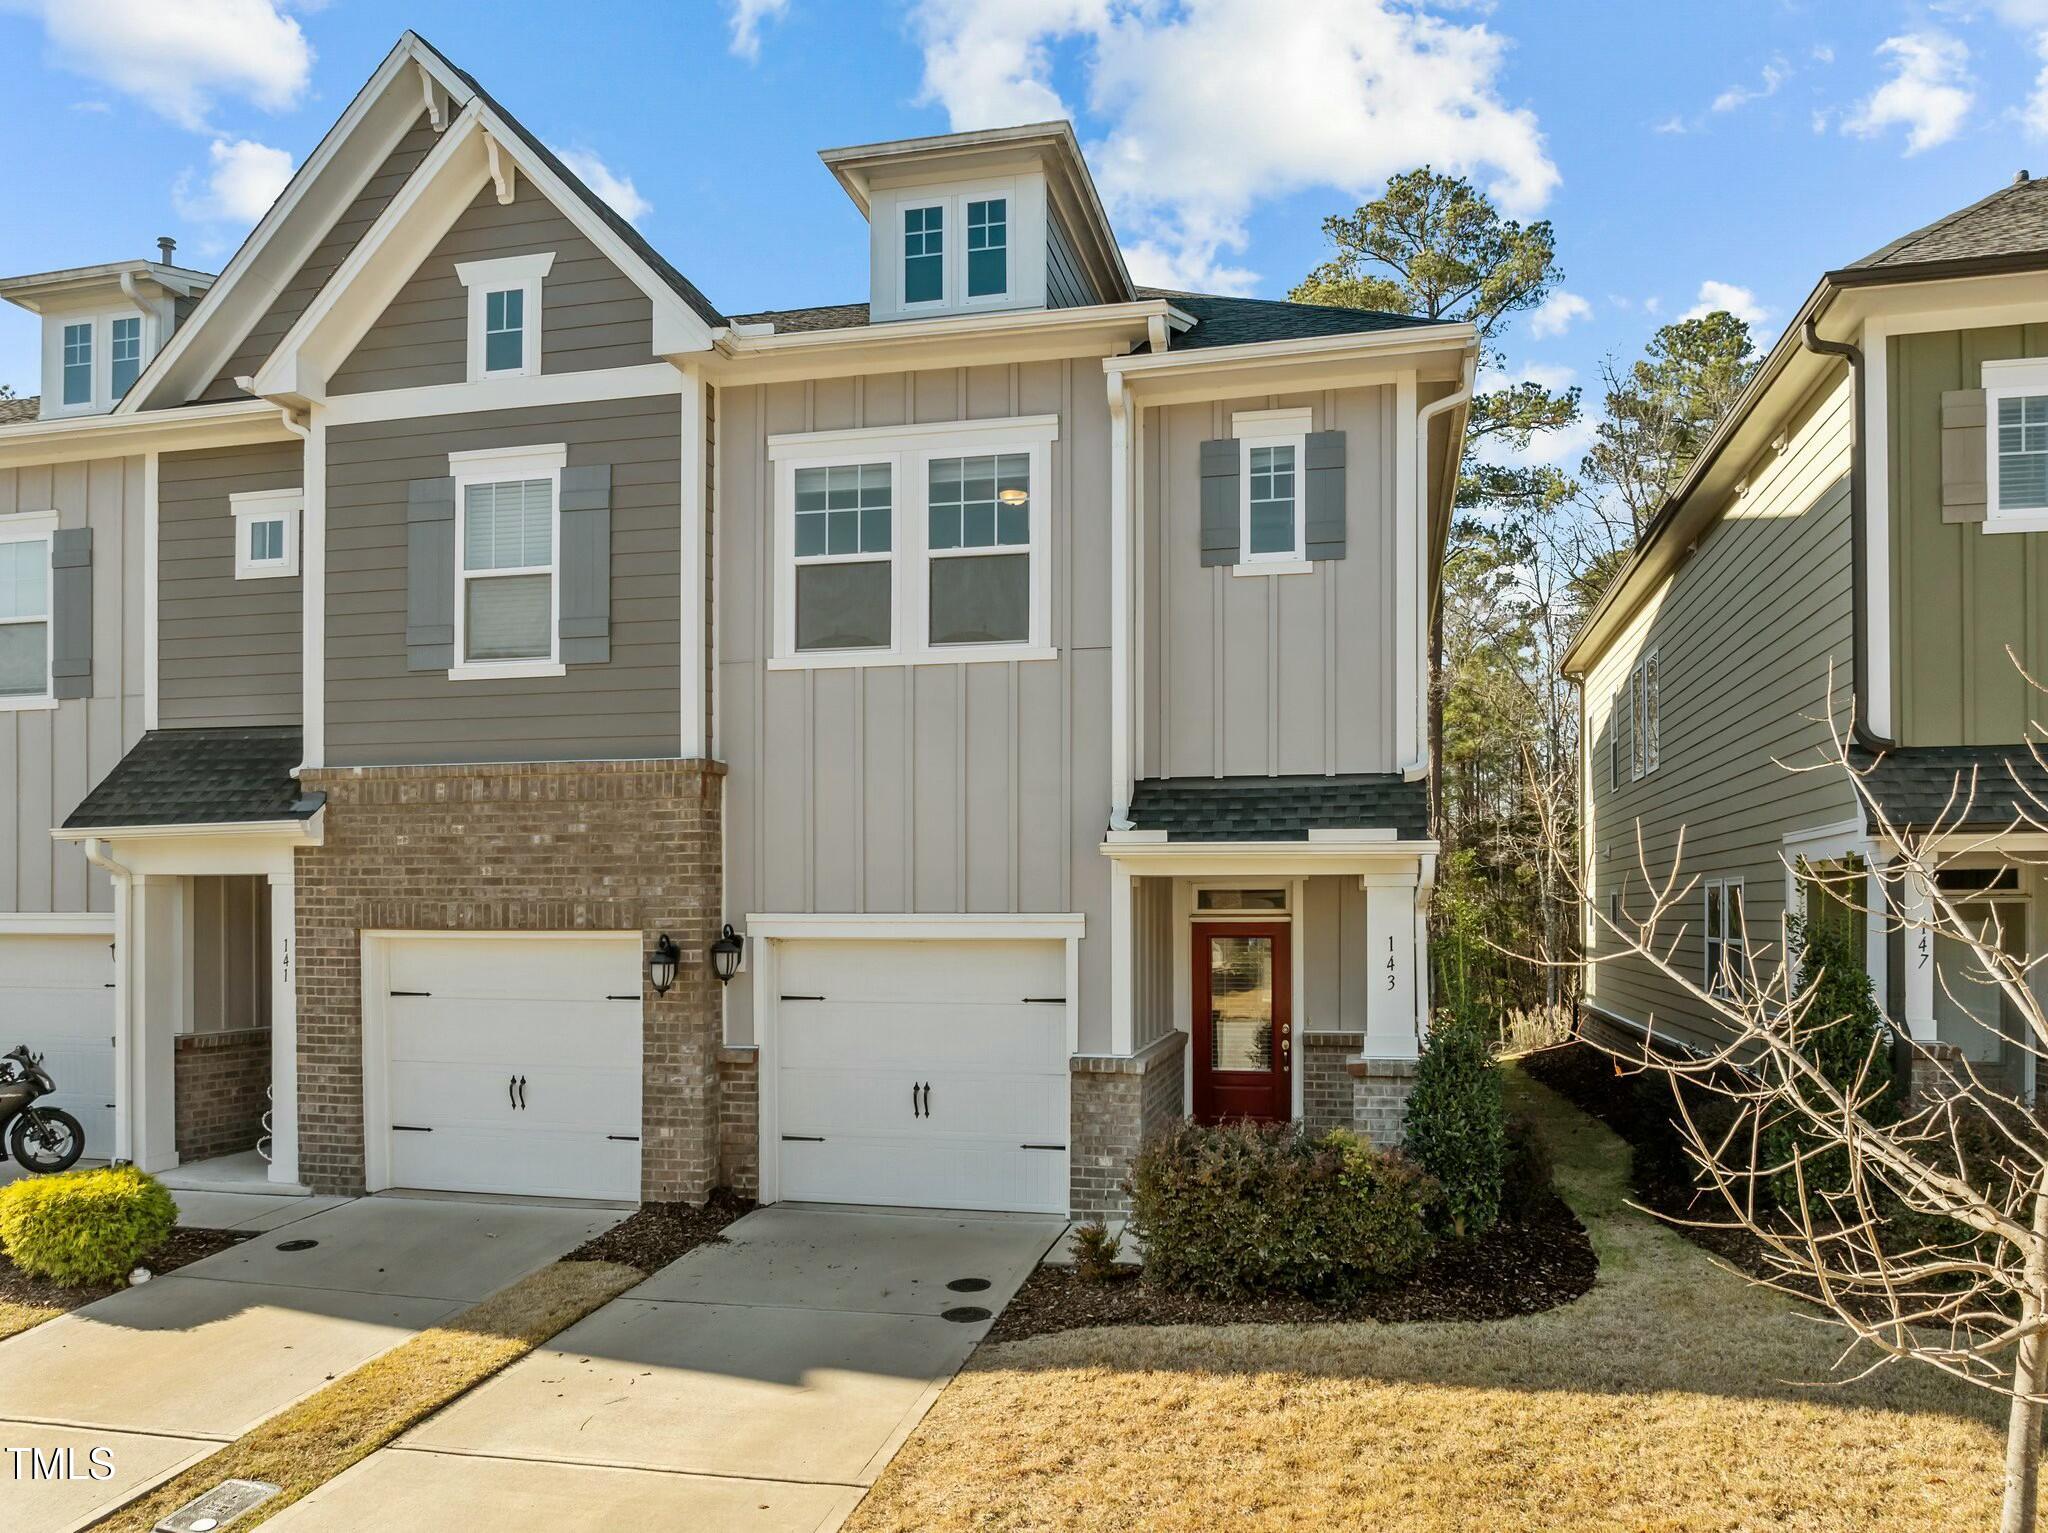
(1326, 1086)
(218, 1084)
(605, 846)
(1380, 1089)
(1115, 1104)
(739, 1120)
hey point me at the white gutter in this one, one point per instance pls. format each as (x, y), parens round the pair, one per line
(743, 341)
(1404, 338)
(1462, 394)
(124, 1049)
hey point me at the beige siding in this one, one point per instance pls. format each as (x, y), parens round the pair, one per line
(332, 250)
(1334, 962)
(929, 788)
(50, 758)
(592, 316)
(1960, 595)
(1279, 674)
(228, 649)
(381, 713)
(1744, 634)
(1152, 961)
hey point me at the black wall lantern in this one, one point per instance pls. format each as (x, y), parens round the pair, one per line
(725, 954)
(662, 963)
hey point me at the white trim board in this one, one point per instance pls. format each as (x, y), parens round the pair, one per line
(36, 923)
(504, 392)
(917, 928)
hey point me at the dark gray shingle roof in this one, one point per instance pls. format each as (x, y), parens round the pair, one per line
(1916, 785)
(201, 777)
(1279, 808)
(12, 410)
(1221, 320)
(2011, 221)
(827, 316)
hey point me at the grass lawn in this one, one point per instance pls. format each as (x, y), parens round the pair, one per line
(1673, 1396)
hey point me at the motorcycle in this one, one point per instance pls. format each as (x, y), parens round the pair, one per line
(41, 1139)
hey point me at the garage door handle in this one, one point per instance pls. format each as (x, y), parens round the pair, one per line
(512, 1091)
(409, 1128)
(803, 998)
(913, 1101)
(1045, 1000)
(624, 1138)
(803, 1138)
(1041, 1147)
(522, 1093)
(416, 994)
(927, 1099)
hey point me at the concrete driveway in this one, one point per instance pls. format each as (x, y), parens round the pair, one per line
(163, 1374)
(762, 1383)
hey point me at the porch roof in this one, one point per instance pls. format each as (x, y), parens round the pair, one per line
(1280, 808)
(202, 777)
(1961, 787)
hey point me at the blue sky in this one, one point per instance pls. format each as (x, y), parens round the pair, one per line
(1746, 146)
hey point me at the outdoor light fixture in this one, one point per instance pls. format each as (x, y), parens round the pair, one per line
(725, 954)
(662, 964)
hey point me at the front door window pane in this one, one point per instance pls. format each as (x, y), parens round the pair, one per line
(843, 606)
(1272, 501)
(78, 364)
(1241, 1003)
(924, 255)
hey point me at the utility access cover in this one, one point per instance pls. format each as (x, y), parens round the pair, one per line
(219, 1507)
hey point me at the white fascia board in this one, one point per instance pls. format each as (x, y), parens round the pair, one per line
(199, 349)
(540, 390)
(74, 439)
(309, 831)
(922, 928)
(1459, 335)
(62, 923)
(1268, 859)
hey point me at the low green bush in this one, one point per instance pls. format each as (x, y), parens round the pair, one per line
(85, 1227)
(1457, 1121)
(1250, 1210)
(1095, 1250)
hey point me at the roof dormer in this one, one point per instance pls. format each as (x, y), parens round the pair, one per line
(102, 324)
(965, 223)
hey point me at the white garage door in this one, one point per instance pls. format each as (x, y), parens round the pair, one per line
(513, 1065)
(57, 996)
(923, 1074)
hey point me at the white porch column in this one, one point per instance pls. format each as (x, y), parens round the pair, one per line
(1392, 1015)
(1916, 908)
(284, 1031)
(1122, 890)
(156, 935)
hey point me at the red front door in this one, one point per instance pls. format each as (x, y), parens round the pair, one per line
(1244, 1041)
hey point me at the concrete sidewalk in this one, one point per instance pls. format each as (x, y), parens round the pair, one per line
(762, 1383)
(165, 1373)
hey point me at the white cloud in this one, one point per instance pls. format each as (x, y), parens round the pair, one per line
(1822, 54)
(1558, 313)
(242, 183)
(1739, 301)
(1673, 124)
(1216, 105)
(746, 20)
(1928, 94)
(1775, 73)
(614, 188)
(2033, 114)
(1653, 305)
(177, 59)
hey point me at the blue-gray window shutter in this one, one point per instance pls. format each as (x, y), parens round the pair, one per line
(430, 575)
(587, 564)
(1323, 504)
(71, 613)
(1219, 501)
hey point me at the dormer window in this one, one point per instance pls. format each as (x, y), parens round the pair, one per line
(988, 247)
(505, 314)
(78, 363)
(924, 254)
(126, 350)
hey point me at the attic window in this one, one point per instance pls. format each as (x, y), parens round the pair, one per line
(127, 352)
(78, 363)
(988, 253)
(924, 254)
(505, 314)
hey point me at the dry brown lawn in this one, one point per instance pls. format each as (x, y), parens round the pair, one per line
(1673, 1396)
(312, 1442)
(19, 1317)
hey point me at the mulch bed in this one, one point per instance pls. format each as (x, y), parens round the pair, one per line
(183, 1248)
(658, 1233)
(1520, 1267)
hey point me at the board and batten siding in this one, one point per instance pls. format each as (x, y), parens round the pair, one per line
(304, 285)
(1065, 286)
(1960, 595)
(930, 788)
(51, 757)
(227, 649)
(1269, 675)
(592, 316)
(1744, 632)
(379, 713)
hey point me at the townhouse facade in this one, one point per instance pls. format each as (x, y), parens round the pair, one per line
(504, 724)
(1855, 557)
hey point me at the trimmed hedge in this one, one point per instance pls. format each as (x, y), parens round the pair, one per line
(1457, 1121)
(1248, 1210)
(85, 1227)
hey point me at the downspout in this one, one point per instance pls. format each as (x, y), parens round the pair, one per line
(124, 1051)
(303, 430)
(1425, 647)
(1859, 533)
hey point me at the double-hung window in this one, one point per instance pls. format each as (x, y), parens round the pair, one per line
(25, 609)
(2016, 439)
(913, 544)
(924, 254)
(505, 314)
(1726, 945)
(266, 532)
(77, 345)
(125, 349)
(1635, 733)
(507, 542)
(1271, 445)
(988, 242)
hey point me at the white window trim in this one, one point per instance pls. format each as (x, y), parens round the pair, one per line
(948, 229)
(482, 278)
(1272, 428)
(492, 465)
(996, 191)
(953, 296)
(2004, 380)
(103, 397)
(1653, 752)
(29, 527)
(1615, 706)
(1736, 933)
(248, 506)
(910, 450)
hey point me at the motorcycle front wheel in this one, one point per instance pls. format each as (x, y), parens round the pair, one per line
(46, 1140)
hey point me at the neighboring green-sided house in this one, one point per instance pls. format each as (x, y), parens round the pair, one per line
(1854, 541)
